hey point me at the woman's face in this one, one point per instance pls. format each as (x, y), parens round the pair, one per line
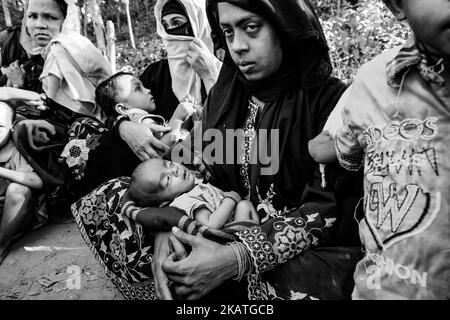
(251, 41)
(44, 21)
(173, 20)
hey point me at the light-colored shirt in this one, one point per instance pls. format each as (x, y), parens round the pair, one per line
(397, 125)
(203, 195)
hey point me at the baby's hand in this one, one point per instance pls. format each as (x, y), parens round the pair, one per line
(233, 196)
(33, 99)
(185, 109)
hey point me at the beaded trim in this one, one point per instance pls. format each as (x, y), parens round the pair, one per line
(249, 135)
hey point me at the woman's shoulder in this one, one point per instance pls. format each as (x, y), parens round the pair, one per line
(155, 68)
(327, 94)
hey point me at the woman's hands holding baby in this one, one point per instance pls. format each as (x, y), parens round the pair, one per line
(207, 266)
(141, 140)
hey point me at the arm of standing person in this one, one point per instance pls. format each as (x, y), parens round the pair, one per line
(321, 148)
(205, 64)
(15, 74)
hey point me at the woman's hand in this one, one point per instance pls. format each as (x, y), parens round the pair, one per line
(185, 109)
(162, 251)
(29, 98)
(208, 266)
(141, 140)
(203, 62)
(16, 75)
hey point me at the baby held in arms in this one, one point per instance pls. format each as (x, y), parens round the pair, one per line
(157, 182)
(123, 94)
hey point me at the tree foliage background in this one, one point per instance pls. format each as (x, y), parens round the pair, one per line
(355, 32)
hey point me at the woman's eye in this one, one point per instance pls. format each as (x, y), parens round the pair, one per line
(227, 32)
(168, 181)
(32, 16)
(252, 28)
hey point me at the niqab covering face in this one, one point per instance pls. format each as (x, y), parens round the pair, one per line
(175, 7)
(184, 79)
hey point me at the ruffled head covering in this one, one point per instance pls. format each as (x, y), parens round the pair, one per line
(184, 79)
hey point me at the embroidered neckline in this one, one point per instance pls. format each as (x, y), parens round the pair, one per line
(413, 54)
(249, 135)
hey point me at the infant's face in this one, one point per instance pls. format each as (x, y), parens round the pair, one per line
(131, 91)
(172, 178)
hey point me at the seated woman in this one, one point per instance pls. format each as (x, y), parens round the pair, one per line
(191, 69)
(20, 69)
(72, 68)
(276, 76)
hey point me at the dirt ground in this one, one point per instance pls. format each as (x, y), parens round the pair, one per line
(54, 263)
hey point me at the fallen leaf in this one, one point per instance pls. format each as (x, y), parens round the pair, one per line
(46, 282)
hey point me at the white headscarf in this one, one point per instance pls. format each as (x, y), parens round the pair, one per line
(73, 66)
(184, 79)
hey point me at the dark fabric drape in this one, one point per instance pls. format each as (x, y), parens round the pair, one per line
(13, 51)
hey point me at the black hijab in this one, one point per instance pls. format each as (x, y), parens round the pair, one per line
(298, 98)
(297, 26)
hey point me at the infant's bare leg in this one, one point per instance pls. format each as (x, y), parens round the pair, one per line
(245, 212)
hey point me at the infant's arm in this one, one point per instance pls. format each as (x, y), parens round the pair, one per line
(222, 214)
(181, 114)
(219, 217)
(321, 148)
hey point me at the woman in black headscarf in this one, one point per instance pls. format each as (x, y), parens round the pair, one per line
(276, 76)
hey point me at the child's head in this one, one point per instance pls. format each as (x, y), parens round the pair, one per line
(7, 117)
(156, 181)
(429, 20)
(121, 92)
